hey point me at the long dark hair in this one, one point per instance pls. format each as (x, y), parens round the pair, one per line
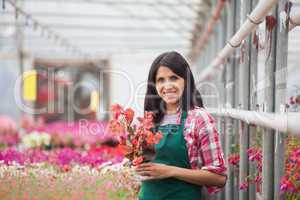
(191, 96)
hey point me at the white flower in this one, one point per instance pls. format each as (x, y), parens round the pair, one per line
(45, 138)
(36, 139)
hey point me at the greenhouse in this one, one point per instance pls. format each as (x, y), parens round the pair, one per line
(150, 99)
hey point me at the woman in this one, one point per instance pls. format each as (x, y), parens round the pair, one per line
(189, 155)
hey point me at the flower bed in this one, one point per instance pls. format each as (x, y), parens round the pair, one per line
(42, 181)
(66, 173)
(62, 157)
(79, 160)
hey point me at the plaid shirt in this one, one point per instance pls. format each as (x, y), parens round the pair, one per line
(203, 144)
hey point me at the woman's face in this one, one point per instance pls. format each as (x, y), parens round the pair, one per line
(169, 85)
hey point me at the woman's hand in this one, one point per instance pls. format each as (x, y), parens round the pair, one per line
(155, 171)
(200, 177)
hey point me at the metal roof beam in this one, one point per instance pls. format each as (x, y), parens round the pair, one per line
(106, 16)
(123, 2)
(102, 28)
(113, 46)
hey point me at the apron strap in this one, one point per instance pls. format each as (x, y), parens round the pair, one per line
(183, 118)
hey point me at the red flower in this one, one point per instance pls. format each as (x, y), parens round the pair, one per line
(124, 149)
(137, 160)
(66, 168)
(271, 22)
(129, 114)
(134, 142)
(148, 120)
(287, 185)
(158, 137)
(234, 159)
(133, 139)
(150, 138)
(116, 127)
(117, 110)
(297, 101)
(297, 176)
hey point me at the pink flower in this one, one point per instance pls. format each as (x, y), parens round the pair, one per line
(286, 185)
(258, 179)
(244, 185)
(291, 101)
(10, 155)
(7, 125)
(27, 122)
(254, 154)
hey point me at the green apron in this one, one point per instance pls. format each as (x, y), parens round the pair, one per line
(171, 150)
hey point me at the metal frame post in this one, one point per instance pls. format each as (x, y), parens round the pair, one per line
(268, 135)
(253, 102)
(230, 101)
(244, 93)
(280, 91)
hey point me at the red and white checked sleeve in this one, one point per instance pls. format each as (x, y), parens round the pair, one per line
(210, 151)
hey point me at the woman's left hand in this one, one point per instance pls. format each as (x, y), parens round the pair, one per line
(154, 170)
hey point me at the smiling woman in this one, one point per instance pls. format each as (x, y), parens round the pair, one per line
(170, 72)
(169, 87)
(189, 155)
